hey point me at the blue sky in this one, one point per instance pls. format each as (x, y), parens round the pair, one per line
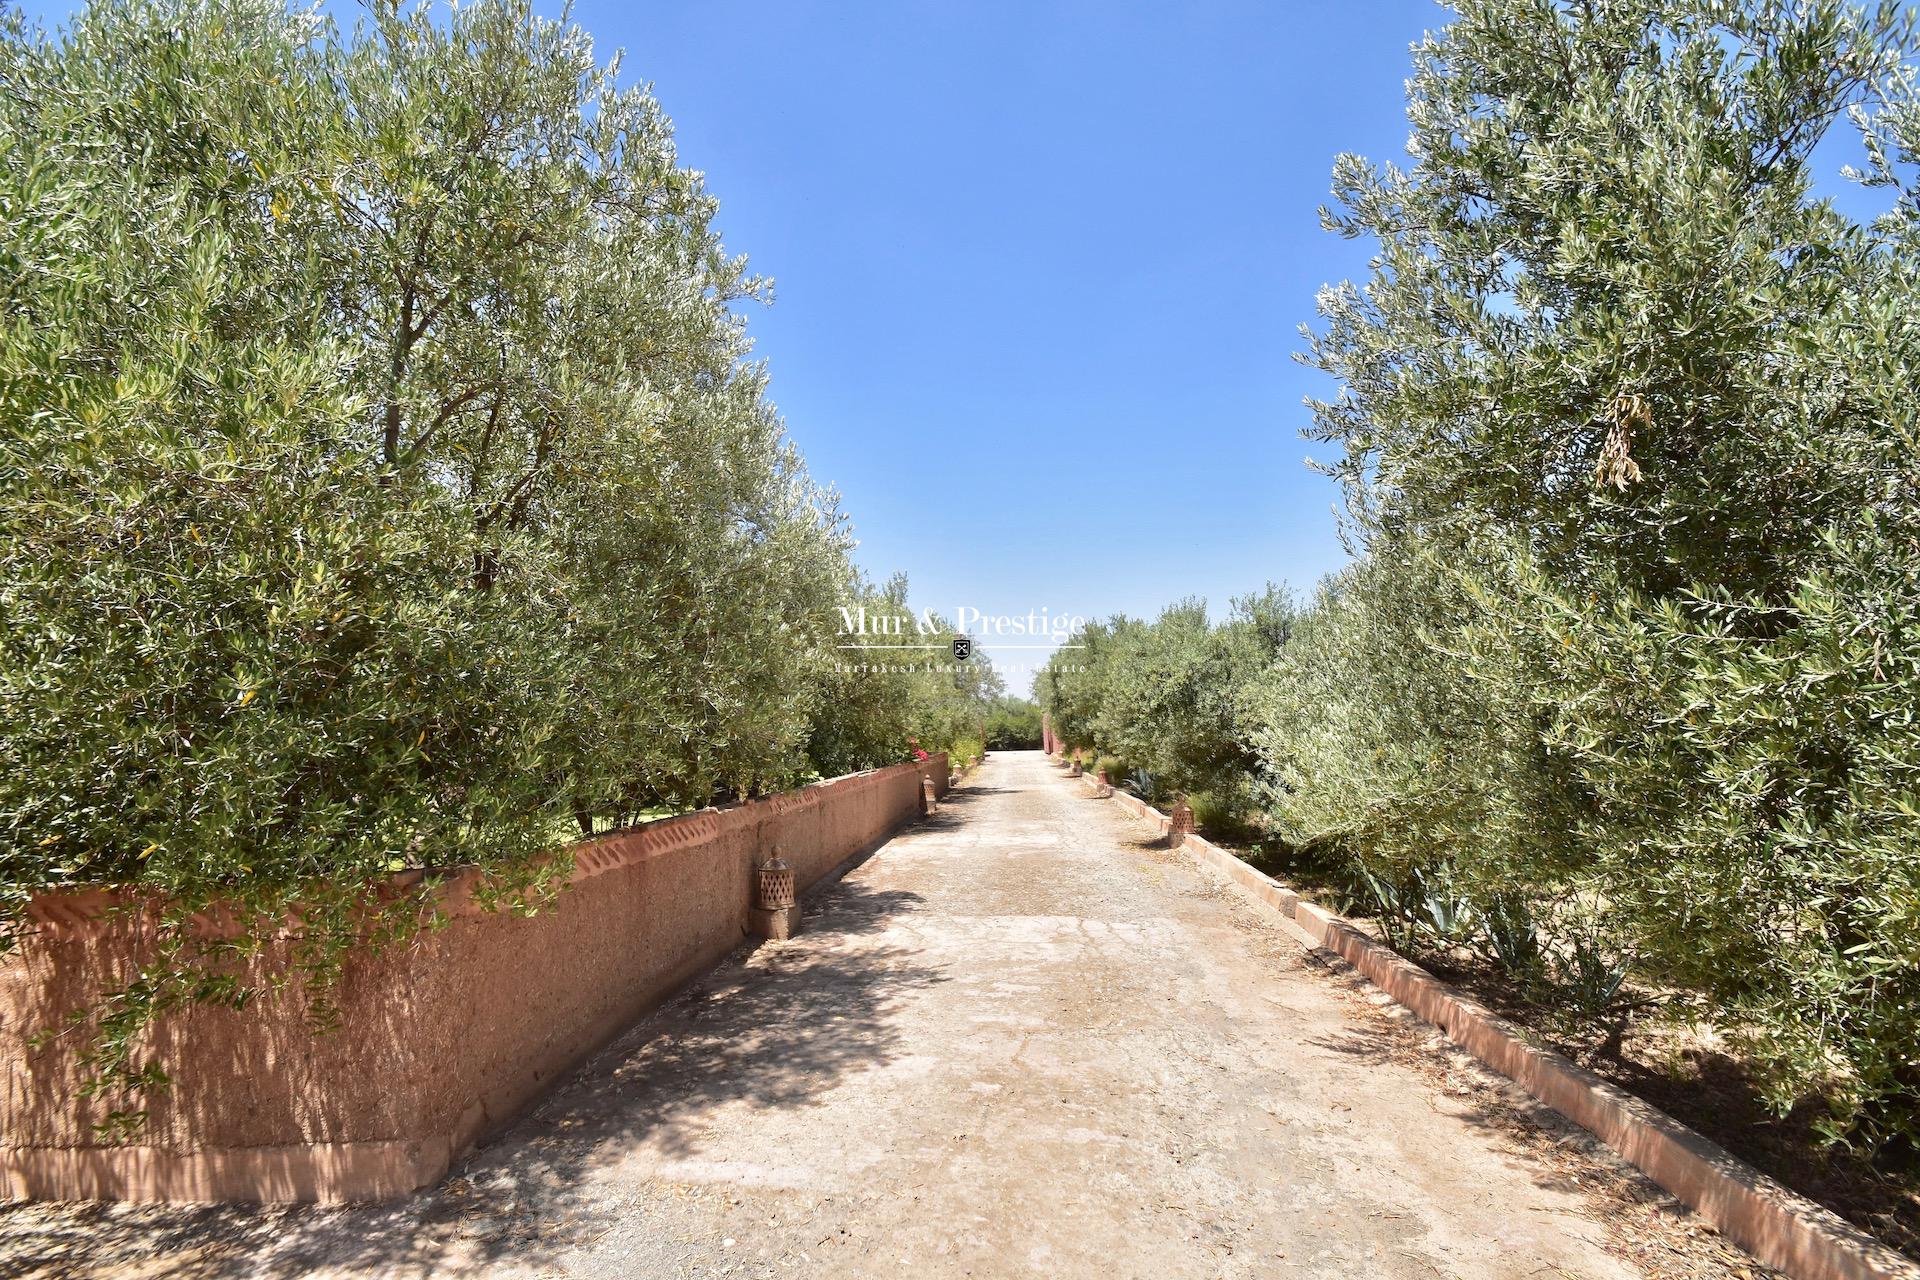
(1039, 270)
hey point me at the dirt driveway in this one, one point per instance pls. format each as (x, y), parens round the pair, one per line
(1018, 1040)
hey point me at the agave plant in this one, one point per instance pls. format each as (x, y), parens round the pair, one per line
(1442, 909)
(1588, 977)
(1394, 910)
(1513, 935)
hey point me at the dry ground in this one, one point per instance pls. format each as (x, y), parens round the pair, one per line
(1018, 1040)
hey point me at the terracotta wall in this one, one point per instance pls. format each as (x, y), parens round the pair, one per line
(441, 1041)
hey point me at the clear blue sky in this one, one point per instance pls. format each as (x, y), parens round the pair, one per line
(1040, 268)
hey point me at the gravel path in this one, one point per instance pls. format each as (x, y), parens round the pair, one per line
(1018, 1040)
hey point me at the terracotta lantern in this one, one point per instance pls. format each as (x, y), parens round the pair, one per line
(929, 799)
(774, 882)
(1180, 821)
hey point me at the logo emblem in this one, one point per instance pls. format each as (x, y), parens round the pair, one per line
(962, 648)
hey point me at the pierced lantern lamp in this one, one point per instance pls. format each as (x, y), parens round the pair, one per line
(1180, 821)
(774, 883)
(776, 910)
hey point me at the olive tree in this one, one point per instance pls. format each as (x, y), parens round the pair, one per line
(1625, 431)
(385, 479)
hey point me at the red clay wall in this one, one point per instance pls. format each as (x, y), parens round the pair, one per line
(441, 1041)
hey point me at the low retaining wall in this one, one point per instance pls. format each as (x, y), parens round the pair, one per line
(441, 1041)
(1779, 1227)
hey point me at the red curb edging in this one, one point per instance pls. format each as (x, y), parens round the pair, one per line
(1777, 1226)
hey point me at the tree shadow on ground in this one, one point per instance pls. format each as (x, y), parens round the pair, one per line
(773, 1027)
(1718, 1096)
(952, 811)
(1554, 1152)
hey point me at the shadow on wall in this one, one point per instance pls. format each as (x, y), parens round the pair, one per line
(430, 1031)
(773, 1029)
(442, 1040)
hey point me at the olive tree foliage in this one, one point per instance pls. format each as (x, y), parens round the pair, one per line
(1172, 697)
(1378, 746)
(1600, 290)
(1626, 431)
(951, 702)
(1070, 687)
(875, 700)
(384, 480)
(1013, 724)
(543, 308)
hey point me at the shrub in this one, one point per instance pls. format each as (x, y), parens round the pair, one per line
(1621, 429)
(1221, 819)
(385, 482)
(1013, 724)
(1171, 696)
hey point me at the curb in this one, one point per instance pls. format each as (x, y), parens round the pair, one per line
(1779, 1227)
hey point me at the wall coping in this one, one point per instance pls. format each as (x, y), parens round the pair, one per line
(67, 913)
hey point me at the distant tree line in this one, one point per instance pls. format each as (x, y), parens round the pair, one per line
(1013, 724)
(1621, 686)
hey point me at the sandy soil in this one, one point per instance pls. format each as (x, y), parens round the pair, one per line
(1020, 1039)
